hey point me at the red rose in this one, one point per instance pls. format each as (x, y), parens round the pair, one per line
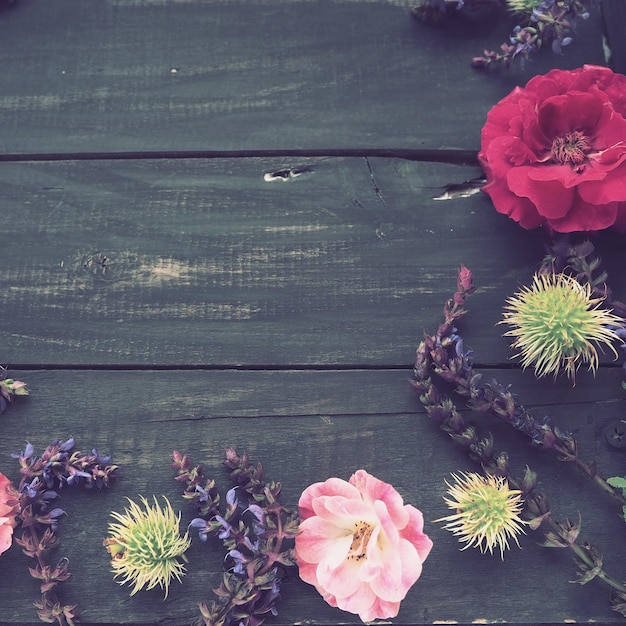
(554, 152)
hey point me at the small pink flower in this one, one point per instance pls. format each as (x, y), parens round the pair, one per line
(18, 387)
(360, 545)
(8, 510)
(465, 280)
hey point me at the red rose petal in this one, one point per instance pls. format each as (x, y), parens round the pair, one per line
(518, 209)
(550, 198)
(584, 216)
(560, 115)
(611, 189)
(612, 156)
(565, 174)
(518, 153)
(586, 109)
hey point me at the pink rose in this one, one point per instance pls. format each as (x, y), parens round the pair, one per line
(360, 545)
(554, 152)
(8, 510)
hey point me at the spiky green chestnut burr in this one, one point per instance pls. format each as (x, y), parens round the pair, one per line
(487, 512)
(558, 325)
(146, 547)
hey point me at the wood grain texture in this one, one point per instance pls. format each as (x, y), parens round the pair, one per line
(204, 262)
(154, 75)
(272, 304)
(614, 12)
(307, 426)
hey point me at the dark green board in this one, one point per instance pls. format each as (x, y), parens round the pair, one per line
(157, 75)
(614, 12)
(271, 297)
(205, 262)
(306, 426)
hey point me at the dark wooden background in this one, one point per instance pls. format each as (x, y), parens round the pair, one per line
(219, 229)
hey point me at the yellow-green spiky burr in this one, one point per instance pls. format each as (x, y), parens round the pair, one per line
(145, 545)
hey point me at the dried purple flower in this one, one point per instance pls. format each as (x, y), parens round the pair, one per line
(42, 478)
(481, 450)
(254, 528)
(542, 23)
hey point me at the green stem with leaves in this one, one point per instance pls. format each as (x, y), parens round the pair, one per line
(430, 355)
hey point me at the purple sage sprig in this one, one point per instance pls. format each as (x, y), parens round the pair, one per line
(43, 477)
(480, 448)
(254, 528)
(446, 357)
(542, 23)
(200, 491)
(579, 260)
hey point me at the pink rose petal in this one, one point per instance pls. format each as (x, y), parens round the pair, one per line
(360, 545)
(9, 508)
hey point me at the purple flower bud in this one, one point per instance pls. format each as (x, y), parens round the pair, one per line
(31, 489)
(203, 494)
(66, 446)
(239, 559)
(28, 452)
(98, 458)
(75, 475)
(197, 522)
(465, 279)
(257, 511)
(202, 526)
(226, 527)
(231, 497)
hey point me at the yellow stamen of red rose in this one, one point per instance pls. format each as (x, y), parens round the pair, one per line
(572, 148)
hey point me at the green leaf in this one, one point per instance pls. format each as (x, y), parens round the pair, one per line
(619, 483)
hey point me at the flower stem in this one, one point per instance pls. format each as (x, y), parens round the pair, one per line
(481, 449)
(583, 554)
(253, 527)
(42, 478)
(454, 365)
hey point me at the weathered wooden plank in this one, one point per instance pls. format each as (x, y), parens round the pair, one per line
(307, 426)
(204, 262)
(207, 74)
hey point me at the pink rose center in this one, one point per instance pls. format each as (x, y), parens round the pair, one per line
(570, 149)
(360, 539)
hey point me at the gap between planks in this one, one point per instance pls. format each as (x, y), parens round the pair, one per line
(222, 367)
(451, 157)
